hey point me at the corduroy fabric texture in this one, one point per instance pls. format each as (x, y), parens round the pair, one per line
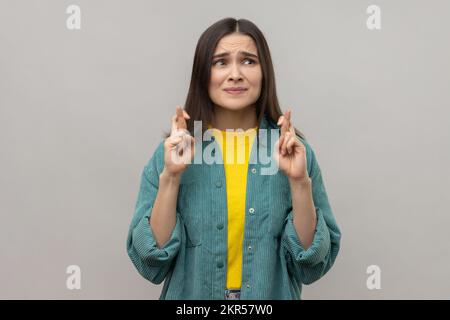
(192, 263)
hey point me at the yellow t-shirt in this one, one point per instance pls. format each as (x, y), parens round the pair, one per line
(236, 148)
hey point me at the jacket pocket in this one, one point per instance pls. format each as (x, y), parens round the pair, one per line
(190, 208)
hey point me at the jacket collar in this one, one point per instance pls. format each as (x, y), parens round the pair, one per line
(265, 123)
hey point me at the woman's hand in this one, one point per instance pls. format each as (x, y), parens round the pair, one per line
(179, 147)
(290, 153)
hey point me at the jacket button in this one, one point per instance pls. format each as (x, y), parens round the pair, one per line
(220, 226)
(218, 184)
(251, 210)
(253, 170)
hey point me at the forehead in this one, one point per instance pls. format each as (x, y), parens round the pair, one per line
(236, 42)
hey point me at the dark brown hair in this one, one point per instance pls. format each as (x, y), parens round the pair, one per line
(198, 104)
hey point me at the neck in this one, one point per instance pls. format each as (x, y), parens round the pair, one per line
(234, 119)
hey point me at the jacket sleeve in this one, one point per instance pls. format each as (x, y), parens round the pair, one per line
(152, 263)
(310, 265)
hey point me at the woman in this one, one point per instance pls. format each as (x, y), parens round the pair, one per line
(232, 229)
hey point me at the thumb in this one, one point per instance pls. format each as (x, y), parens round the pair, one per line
(175, 141)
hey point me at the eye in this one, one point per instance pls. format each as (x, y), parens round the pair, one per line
(215, 62)
(250, 60)
(222, 62)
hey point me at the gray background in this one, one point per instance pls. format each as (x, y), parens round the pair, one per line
(81, 112)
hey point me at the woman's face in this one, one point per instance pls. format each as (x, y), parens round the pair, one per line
(235, 64)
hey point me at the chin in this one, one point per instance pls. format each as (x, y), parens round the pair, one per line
(235, 105)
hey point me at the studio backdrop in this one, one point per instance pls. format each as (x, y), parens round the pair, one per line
(87, 89)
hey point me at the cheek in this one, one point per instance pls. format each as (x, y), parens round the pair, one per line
(217, 78)
(255, 78)
(213, 85)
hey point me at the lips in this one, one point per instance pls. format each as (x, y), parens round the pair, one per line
(235, 90)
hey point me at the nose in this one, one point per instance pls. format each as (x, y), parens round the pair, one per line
(235, 73)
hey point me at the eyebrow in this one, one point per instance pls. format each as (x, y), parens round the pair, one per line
(244, 53)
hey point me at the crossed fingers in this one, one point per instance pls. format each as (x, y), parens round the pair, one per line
(287, 136)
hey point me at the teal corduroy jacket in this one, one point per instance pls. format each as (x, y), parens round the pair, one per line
(193, 262)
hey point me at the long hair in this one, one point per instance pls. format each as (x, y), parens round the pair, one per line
(199, 105)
